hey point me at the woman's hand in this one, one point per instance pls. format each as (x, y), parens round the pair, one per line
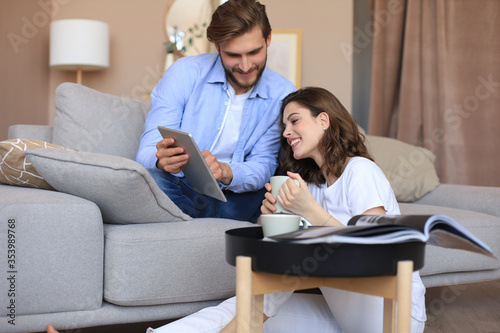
(296, 199)
(268, 202)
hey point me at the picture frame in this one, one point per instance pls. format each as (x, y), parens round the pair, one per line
(284, 54)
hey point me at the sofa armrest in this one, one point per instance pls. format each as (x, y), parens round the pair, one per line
(482, 199)
(55, 252)
(34, 132)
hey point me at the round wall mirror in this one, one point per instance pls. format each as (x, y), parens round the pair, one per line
(185, 26)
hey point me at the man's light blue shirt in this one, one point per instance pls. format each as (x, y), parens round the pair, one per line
(193, 97)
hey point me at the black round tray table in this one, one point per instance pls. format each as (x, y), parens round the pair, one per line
(329, 260)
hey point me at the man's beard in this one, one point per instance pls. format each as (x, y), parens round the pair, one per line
(243, 85)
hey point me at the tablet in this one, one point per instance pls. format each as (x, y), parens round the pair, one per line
(196, 169)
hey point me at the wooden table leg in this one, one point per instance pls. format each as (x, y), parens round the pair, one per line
(403, 296)
(249, 307)
(243, 294)
(257, 321)
(389, 315)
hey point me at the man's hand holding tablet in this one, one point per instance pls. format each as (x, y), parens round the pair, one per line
(199, 168)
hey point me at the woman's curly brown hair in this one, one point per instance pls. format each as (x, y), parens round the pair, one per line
(342, 138)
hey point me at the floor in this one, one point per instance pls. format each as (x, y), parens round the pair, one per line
(470, 308)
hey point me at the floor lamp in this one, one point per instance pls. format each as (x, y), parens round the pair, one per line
(79, 45)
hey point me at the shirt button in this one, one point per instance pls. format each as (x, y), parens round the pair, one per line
(218, 129)
(225, 103)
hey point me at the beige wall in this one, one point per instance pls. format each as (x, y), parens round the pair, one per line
(136, 46)
(325, 25)
(24, 73)
(27, 83)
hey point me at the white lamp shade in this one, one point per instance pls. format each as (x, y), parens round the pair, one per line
(78, 43)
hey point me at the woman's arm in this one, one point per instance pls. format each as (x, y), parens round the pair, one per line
(331, 221)
(375, 211)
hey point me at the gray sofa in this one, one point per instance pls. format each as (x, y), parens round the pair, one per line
(107, 246)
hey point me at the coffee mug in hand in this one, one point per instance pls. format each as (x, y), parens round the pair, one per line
(276, 183)
(275, 224)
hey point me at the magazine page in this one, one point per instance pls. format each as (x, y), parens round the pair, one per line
(446, 239)
(367, 234)
(414, 221)
(436, 230)
(440, 230)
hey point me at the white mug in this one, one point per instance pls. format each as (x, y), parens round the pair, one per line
(275, 224)
(276, 183)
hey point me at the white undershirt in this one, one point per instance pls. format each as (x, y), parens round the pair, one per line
(230, 131)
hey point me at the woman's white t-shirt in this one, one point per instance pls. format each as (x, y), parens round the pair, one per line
(362, 186)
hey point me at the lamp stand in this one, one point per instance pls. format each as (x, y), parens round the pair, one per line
(79, 75)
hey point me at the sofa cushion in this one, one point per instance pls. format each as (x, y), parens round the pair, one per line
(16, 169)
(122, 188)
(409, 169)
(96, 122)
(144, 266)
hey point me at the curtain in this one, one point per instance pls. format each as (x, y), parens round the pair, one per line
(436, 83)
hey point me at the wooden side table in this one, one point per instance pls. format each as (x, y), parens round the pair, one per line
(251, 287)
(267, 267)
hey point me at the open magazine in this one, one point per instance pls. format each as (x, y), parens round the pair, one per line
(439, 230)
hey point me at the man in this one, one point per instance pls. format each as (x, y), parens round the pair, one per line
(229, 101)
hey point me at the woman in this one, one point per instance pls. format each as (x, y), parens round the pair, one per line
(323, 149)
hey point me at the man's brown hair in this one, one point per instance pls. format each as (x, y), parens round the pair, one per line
(236, 17)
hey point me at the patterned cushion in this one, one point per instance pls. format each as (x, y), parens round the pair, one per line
(16, 169)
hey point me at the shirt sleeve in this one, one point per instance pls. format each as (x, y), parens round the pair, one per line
(167, 106)
(367, 187)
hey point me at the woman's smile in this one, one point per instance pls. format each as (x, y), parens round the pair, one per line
(293, 142)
